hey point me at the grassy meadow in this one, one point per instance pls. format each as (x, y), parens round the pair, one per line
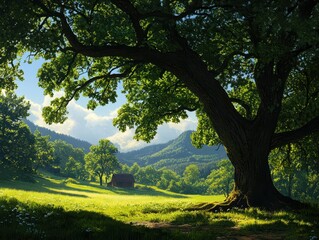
(53, 208)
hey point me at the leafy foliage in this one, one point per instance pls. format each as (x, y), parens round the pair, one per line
(176, 155)
(16, 141)
(65, 156)
(295, 178)
(44, 151)
(221, 179)
(101, 159)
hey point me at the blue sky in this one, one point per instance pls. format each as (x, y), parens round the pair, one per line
(90, 125)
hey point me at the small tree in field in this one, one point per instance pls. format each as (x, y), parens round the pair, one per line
(221, 180)
(101, 159)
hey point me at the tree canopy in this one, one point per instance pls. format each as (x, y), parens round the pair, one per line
(16, 141)
(101, 159)
(44, 151)
(248, 69)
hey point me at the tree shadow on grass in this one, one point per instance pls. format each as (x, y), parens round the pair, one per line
(15, 179)
(43, 186)
(281, 225)
(144, 191)
(201, 218)
(47, 186)
(48, 222)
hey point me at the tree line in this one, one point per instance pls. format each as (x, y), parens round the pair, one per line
(300, 184)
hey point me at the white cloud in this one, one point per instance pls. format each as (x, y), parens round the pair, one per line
(184, 125)
(36, 117)
(165, 133)
(89, 126)
(125, 140)
(81, 123)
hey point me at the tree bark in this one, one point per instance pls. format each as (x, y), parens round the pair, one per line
(253, 182)
(290, 184)
(101, 180)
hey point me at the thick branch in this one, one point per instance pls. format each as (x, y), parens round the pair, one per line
(79, 88)
(244, 105)
(70, 66)
(190, 10)
(284, 138)
(45, 9)
(306, 8)
(227, 60)
(143, 54)
(127, 7)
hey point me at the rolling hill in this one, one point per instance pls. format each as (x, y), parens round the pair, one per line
(175, 154)
(77, 143)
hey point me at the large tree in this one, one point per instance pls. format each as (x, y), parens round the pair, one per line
(249, 69)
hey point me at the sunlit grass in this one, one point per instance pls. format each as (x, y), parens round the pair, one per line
(123, 204)
(88, 209)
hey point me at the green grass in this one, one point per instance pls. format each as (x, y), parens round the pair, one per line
(52, 208)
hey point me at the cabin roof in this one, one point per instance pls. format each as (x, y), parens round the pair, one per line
(123, 177)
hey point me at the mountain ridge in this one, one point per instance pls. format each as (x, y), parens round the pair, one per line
(77, 143)
(175, 154)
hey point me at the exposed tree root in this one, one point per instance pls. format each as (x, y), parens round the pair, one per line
(237, 200)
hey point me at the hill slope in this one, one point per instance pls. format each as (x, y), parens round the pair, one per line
(175, 154)
(77, 143)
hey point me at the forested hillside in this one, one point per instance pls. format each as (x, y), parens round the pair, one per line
(77, 143)
(175, 155)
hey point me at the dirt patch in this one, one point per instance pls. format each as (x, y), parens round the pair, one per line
(186, 228)
(162, 225)
(253, 237)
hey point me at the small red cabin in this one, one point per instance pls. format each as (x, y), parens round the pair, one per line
(122, 180)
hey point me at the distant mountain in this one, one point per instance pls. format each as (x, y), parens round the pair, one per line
(77, 143)
(176, 155)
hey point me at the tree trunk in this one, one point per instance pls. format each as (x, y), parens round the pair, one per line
(253, 183)
(290, 184)
(101, 180)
